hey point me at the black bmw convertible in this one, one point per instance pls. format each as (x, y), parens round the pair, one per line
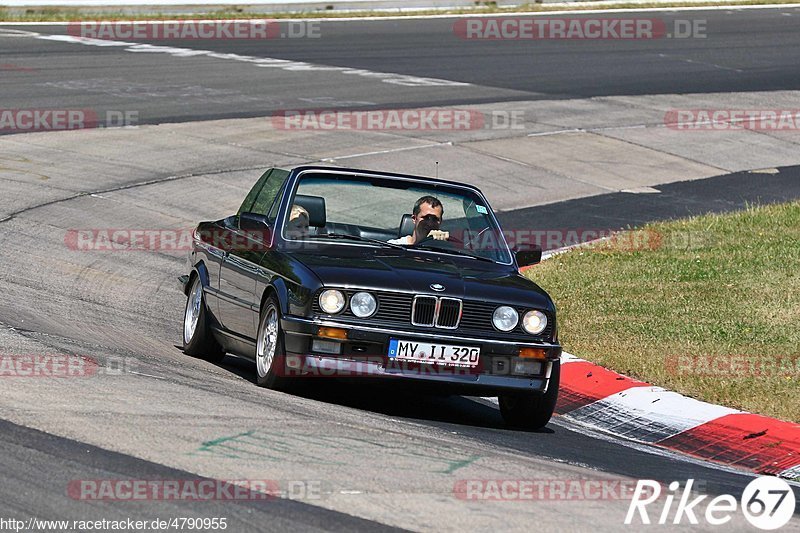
(343, 273)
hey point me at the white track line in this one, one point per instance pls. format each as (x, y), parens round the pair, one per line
(586, 11)
(263, 62)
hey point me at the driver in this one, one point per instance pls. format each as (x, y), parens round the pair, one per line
(427, 217)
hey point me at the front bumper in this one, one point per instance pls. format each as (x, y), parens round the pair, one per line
(364, 356)
(183, 282)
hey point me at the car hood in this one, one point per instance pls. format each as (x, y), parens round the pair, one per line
(414, 272)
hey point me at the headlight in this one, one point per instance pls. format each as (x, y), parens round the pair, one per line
(363, 304)
(534, 322)
(505, 318)
(331, 301)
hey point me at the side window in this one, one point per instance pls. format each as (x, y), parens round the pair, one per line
(261, 198)
(269, 192)
(247, 205)
(273, 212)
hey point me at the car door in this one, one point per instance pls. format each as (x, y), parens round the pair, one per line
(211, 252)
(239, 304)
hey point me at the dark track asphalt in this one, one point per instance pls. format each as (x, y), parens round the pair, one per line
(559, 442)
(37, 467)
(744, 50)
(619, 210)
(762, 43)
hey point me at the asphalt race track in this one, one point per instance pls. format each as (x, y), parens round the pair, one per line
(744, 50)
(343, 457)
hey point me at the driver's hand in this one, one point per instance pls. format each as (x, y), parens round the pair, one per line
(439, 235)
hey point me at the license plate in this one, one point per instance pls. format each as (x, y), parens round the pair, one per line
(438, 354)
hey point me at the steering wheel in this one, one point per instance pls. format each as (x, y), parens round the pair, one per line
(426, 239)
(449, 239)
(477, 237)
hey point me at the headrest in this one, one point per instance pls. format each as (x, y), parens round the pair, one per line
(315, 205)
(406, 226)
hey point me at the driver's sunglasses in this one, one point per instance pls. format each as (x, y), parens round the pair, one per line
(432, 218)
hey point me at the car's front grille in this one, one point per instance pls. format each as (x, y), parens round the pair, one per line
(449, 313)
(431, 311)
(423, 311)
(471, 316)
(392, 306)
(477, 315)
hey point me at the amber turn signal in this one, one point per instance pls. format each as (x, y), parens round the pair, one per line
(332, 333)
(533, 353)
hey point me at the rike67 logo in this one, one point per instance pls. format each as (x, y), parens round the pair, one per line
(768, 503)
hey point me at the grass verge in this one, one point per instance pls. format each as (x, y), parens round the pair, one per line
(707, 306)
(70, 14)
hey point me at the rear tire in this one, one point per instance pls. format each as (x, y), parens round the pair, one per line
(531, 411)
(270, 355)
(198, 341)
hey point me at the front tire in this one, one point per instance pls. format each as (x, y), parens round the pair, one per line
(198, 341)
(531, 411)
(270, 355)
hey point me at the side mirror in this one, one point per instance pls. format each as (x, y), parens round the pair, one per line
(532, 256)
(253, 221)
(257, 229)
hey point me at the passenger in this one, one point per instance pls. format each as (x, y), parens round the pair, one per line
(297, 226)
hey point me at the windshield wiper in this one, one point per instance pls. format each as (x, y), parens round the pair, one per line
(355, 238)
(455, 252)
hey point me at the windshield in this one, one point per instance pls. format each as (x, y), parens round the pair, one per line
(449, 219)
